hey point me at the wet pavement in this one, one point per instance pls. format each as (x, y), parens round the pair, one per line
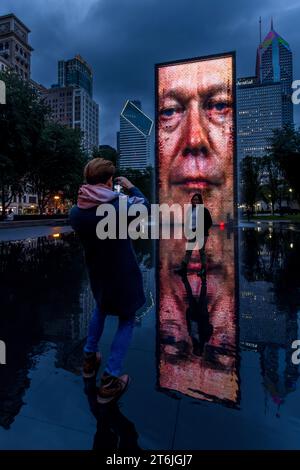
(210, 358)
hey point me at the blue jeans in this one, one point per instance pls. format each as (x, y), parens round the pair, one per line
(120, 342)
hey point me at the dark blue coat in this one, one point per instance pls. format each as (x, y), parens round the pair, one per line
(115, 277)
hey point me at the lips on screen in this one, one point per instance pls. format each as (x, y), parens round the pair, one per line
(197, 314)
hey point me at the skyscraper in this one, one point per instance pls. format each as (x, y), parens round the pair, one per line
(274, 64)
(134, 137)
(264, 100)
(76, 72)
(72, 102)
(15, 50)
(259, 112)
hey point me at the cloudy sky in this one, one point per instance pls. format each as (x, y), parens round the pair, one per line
(123, 39)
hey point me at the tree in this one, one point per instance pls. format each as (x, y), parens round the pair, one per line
(142, 179)
(250, 180)
(107, 152)
(22, 119)
(57, 164)
(271, 180)
(285, 149)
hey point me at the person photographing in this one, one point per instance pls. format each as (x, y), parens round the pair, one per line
(115, 277)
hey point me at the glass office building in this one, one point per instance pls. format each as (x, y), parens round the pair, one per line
(264, 100)
(134, 137)
(76, 72)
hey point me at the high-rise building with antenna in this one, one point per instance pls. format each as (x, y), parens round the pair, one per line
(264, 100)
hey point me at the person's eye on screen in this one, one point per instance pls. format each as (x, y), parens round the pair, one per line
(170, 112)
(219, 106)
(218, 110)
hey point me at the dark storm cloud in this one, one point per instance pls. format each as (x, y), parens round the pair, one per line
(123, 39)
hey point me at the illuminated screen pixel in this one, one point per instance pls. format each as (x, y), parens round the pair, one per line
(195, 126)
(197, 342)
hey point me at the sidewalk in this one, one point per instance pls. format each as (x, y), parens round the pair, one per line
(10, 224)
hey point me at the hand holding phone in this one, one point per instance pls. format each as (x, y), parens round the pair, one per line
(123, 182)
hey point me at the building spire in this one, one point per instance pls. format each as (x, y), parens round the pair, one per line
(272, 28)
(260, 30)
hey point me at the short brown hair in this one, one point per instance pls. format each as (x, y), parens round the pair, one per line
(98, 170)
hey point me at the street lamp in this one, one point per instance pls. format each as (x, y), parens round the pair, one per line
(290, 196)
(56, 198)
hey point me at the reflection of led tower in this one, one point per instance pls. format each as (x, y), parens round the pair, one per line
(134, 137)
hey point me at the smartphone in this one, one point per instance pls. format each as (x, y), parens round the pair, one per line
(117, 187)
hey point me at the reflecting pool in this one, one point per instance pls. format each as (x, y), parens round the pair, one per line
(211, 358)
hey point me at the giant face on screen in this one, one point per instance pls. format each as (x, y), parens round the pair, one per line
(195, 127)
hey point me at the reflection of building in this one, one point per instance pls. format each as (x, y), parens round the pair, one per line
(71, 100)
(134, 137)
(264, 101)
(266, 326)
(49, 315)
(15, 50)
(259, 324)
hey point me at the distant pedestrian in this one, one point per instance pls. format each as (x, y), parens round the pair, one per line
(10, 215)
(197, 199)
(248, 213)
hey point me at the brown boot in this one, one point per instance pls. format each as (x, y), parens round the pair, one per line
(112, 387)
(91, 364)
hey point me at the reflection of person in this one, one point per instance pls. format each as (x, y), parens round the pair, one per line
(114, 430)
(115, 277)
(197, 199)
(197, 317)
(214, 374)
(195, 133)
(248, 212)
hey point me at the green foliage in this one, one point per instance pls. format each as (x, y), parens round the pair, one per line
(250, 180)
(142, 179)
(21, 121)
(285, 149)
(271, 181)
(57, 163)
(35, 152)
(107, 152)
